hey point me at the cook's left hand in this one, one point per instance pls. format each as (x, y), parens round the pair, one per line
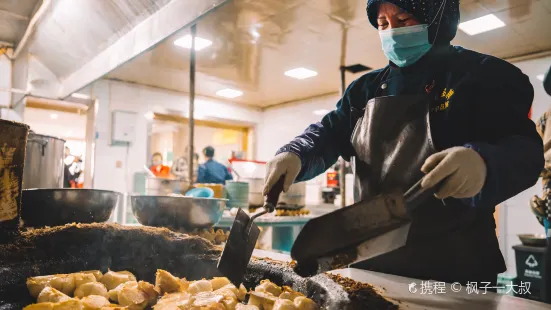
(464, 171)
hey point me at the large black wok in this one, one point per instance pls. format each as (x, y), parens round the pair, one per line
(60, 206)
(141, 250)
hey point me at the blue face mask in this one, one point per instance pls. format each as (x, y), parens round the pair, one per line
(406, 45)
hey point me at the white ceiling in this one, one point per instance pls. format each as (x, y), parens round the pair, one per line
(308, 33)
(69, 126)
(15, 16)
(74, 31)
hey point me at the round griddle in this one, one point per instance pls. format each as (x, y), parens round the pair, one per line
(140, 250)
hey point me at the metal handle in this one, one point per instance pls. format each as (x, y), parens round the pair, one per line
(273, 195)
(416, 195)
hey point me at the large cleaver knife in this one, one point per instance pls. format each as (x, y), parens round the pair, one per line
(358, 232)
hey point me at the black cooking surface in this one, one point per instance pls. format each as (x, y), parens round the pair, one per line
(140, 250)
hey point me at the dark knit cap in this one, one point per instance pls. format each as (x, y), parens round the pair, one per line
(425, 11)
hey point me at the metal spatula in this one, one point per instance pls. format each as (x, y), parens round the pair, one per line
(243, 236)
(358, 232)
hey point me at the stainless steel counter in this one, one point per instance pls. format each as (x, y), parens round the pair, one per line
(282, 221)
(397, 289)
(270, 220)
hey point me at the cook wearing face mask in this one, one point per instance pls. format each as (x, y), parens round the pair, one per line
(157, 167)
(452, 116)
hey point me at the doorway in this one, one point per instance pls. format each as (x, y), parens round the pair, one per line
(169, 137)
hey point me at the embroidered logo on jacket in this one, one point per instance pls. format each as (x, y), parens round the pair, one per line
(446, 96)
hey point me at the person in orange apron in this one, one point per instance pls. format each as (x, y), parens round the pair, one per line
(454, 117)
(157, 167)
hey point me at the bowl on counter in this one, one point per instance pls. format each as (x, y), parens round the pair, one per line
(59, 206)
(178, 213)
(538, 240)
(200, 192)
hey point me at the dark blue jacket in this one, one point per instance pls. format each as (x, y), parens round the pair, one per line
(481, 102)
(213, 172)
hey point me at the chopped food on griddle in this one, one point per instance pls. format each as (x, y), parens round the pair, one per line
(175, 293)
(112, 279)
(91, 288)
(50, 294)
(94, 302)
(167, 283)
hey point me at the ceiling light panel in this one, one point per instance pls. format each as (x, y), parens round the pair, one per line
(482, 24)
(200, 43)
(229, 93)
(301, 73)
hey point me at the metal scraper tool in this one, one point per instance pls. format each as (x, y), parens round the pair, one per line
(243, 236)
(358, 232)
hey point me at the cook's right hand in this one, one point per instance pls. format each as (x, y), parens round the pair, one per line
(287, 164)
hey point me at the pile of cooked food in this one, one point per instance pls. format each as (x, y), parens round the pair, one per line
(285, 212)
(216, 237)
(92, 290)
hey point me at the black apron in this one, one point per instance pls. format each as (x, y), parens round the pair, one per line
(448, 240)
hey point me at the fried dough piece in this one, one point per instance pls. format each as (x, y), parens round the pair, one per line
(133, 298)
(91, 288)
(284, 304)
(40, 306)
(50, 294)
(262, 300)
(230, 298)
(199, 286)
(242, 293)
(96, 274)
(290, 294)
(82, 278)
(64, 283)
(94, 302)
(303, 303)
(72, 304)
(220, 282)
(114, 293)
(246, 307)
(165, 282)
(268, 287)
(35, 285)
(150, 291)
(174, 301)
(112, 279)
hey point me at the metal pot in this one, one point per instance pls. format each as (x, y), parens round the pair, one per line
(295, 196)
(255, 191)
(238, 194)
(44, 165)
(163, 187)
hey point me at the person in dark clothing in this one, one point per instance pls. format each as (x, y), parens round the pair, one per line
(212, 171)
(452, 117)
(67, 175)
